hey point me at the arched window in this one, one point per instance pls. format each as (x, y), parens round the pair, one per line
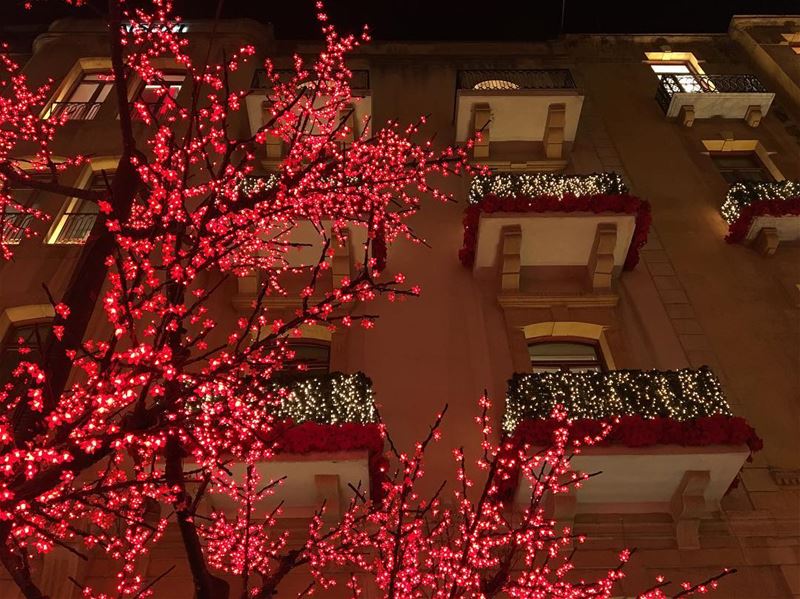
(495, 84)
(554, 354)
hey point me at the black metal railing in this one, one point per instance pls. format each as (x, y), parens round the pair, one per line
(671, 84)
(75, 228)
(14, 225)
(514, 79)
(75, 111)
(359, 81)
(677, 394)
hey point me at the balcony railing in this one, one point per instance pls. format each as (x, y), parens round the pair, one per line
(544, 184)
(14, 225)
(676, 394)
(515, 79)
(359, 81)
(332, 398)
(671, 84)
(75, 111)
(75, 228)
(750, 192)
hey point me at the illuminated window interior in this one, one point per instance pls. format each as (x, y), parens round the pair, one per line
(154, 94)
(495, 84)
(84, 101)
(681, 67)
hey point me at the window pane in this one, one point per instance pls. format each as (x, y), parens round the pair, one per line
(84, 92)
(740, 167)
(554, 356)
(670, 68)
(563, 351)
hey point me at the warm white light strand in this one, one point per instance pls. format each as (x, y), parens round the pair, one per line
(677, 394)
(544, 184)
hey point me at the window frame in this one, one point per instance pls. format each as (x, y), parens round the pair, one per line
(61, 105)
(762, 168)
(564, 366)
(72, 207)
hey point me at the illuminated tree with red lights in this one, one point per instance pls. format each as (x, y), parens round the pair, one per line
(105, 442)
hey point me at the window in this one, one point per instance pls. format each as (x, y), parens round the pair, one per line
(314, 354)
(576, 356)
(75, 224)
(85, 99)
(30, 336)
(153, 95)
(15, 221)
(735, 167)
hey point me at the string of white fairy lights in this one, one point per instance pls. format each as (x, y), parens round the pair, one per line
(544, 184)
(334, 398)
(749, 192)
(677, 394)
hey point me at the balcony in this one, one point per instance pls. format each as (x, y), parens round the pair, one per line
(327, 438)
(690, 97)
(676, 448)
(257, 103)
(524, 116)
(304, 245)
(763, 213)
(575, 233)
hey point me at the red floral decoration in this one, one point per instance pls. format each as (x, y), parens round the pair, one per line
(619, 203)
(310, 437)
(737, 232)
(635, 431)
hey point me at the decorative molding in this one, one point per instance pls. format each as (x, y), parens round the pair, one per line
(530, 300)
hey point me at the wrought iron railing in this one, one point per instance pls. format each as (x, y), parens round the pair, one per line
(745, 193)
(534, 185)
(13, 226)
(671, 84)
(514, 79)
(359, 81)
(75, 111)
(75, 228)
(677, 394)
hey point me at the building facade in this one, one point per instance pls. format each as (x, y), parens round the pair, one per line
(702, 127)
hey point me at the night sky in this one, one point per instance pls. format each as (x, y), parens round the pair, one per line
(448, 19)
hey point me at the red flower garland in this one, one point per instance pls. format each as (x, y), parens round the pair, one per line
(309, 437)
(737, 231)
(622, 203)
(635, 431)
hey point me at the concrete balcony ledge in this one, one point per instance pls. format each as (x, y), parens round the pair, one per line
(518, 105)
(690, 97)
(764, 213)
(519, 222)
(326, 439)
(357, 114)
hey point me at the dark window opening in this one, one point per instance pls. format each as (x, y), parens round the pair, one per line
(574, 356)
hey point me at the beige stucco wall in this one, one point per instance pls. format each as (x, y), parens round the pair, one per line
(693, 299)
